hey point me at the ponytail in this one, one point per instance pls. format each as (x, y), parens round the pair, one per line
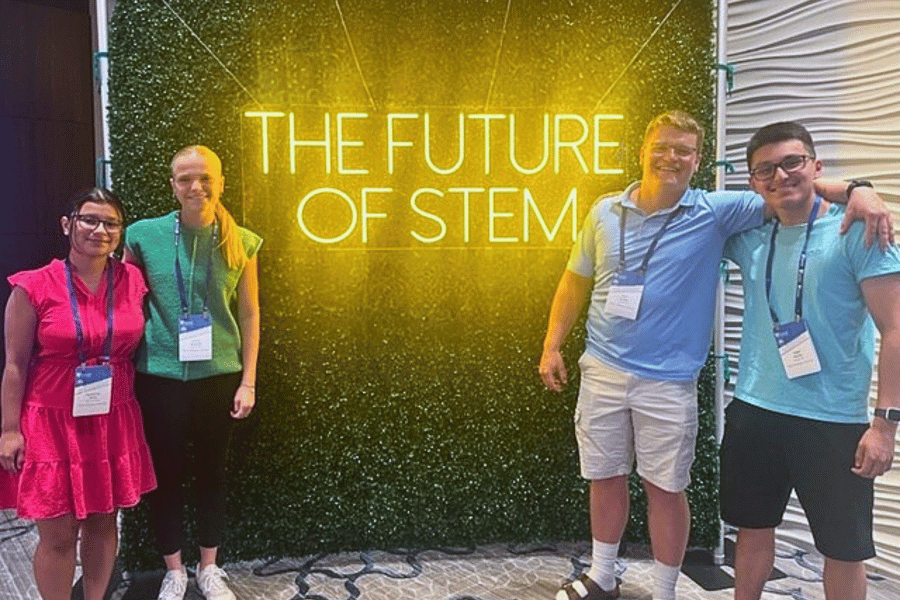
(233, 251)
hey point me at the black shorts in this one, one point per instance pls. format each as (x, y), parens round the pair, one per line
(765, 455)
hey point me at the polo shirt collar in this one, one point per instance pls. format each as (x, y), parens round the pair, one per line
(689, 198)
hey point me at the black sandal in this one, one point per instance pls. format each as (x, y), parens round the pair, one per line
(593, 591)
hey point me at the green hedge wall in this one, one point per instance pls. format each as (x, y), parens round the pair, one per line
(399, 404)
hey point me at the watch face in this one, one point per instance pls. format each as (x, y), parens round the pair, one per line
(891, 414)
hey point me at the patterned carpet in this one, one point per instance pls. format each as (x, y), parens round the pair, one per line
(485, 573)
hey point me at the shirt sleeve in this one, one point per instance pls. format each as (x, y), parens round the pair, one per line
(869, 262)
(33, 283)
(737, 211)
(137, 286)
(582, 258)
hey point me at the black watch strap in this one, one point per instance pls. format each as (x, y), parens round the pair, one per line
(857, 183)
(891, 414)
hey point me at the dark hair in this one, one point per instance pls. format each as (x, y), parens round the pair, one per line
(96, 195)
(779, 132)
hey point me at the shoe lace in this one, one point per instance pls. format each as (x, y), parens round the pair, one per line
(173, 585)
(213, 579)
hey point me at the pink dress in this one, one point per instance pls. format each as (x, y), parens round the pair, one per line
(79, 465)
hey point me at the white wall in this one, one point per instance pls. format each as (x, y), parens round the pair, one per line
(833, 65)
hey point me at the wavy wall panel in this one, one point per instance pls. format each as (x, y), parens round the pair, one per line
(833, 65)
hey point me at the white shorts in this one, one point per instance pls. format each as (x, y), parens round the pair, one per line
(621, 416)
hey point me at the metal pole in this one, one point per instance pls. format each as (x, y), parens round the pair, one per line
(719, 341)
(101, 97)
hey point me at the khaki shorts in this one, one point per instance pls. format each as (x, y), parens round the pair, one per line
(621, 416)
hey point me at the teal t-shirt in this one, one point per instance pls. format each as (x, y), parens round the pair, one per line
(152, 243)
(833, 306)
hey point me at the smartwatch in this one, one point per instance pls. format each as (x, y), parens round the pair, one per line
(891, 414)
(855, 183)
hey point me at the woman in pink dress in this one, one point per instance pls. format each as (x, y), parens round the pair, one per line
(72, 446)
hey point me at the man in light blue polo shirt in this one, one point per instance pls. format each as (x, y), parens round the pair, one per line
(648, 260)
(800, 415)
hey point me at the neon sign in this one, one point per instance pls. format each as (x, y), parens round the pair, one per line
(442, 177)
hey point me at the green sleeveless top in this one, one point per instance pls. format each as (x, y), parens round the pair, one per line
(152, 243)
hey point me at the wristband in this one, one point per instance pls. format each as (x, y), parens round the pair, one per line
(247, 385)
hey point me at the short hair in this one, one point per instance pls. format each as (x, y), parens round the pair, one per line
(782, 131)
(679, 120)
(97, 195)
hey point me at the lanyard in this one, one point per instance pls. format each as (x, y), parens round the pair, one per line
(185, 307)
(801, 267)
(653, 243)
(79, 330)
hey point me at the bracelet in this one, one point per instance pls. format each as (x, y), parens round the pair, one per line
(247, 385)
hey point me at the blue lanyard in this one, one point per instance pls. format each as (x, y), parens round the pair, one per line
(185, 307)
(801, 268)
(653, 243)
(79, 330)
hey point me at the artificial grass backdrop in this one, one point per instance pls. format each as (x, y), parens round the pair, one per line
(398, 398)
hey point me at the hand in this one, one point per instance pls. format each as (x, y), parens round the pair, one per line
(553, 370)
(12, 451)
(865, 204)
(875, 451)
(244, 401)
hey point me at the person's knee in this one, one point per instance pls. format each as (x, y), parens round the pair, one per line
(662, 497)
(756, 540)
(99, 525)
(844, 566)
(58, 538)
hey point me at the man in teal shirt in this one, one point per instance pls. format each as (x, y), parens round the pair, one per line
(799, 421)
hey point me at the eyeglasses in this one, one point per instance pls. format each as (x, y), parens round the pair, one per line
(789, 164)
(92, 222)
(680, 151)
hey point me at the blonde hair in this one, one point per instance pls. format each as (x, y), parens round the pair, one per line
(679, 120)
(231, 246)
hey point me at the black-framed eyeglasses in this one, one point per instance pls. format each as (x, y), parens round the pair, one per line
(788, 164)
(92, 222)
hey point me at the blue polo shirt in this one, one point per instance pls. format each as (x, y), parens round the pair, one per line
(833, 306)
(671, 336)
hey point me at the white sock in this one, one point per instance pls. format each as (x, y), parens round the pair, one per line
(664, 580)
(603, 564)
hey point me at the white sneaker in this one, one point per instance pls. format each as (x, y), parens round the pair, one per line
(174, 585)
(211, 582)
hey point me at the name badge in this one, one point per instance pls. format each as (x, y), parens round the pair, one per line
(798, 354)
(93, 390)
(194, 337)
(624, 298)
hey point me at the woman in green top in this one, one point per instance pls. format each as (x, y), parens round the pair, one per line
(196, 368)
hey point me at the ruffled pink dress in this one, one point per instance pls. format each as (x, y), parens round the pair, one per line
(79, 465)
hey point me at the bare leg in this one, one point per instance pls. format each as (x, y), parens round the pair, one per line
(173, 561)
(99, 540)
(669, 521)
(207, 556)
(609, 507)
(54, 557)
(844, 580)
(753, 562)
